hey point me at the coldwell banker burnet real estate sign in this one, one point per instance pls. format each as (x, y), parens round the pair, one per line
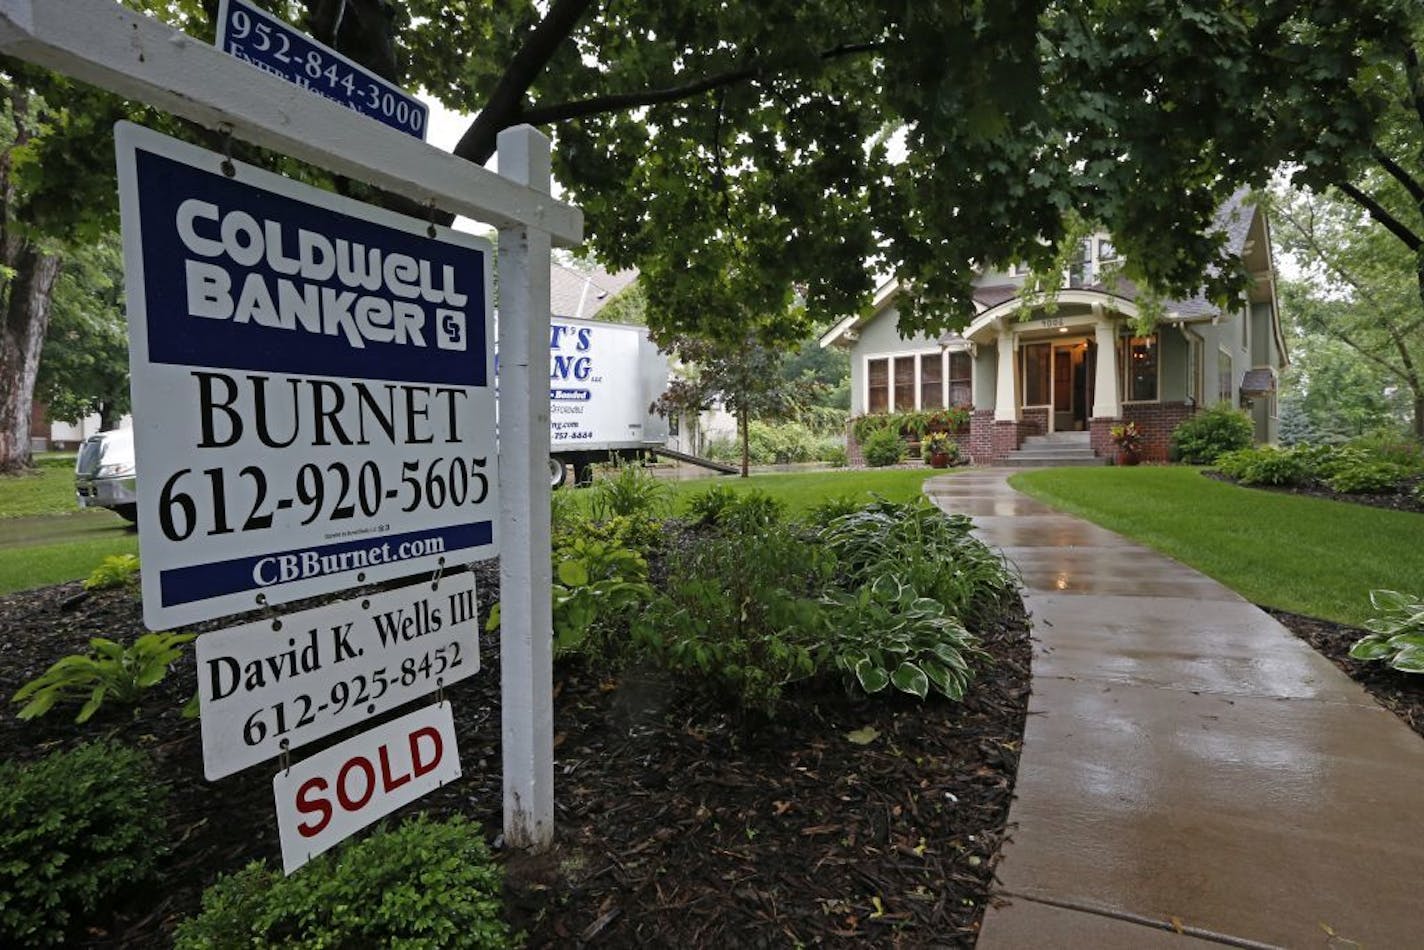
(312, 386)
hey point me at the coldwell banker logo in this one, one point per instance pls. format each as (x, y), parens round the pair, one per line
(277, 275)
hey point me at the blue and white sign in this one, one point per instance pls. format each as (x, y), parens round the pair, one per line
(312, 384)
(255, 36)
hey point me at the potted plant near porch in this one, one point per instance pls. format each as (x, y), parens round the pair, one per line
(1128, 442)
(940, 450)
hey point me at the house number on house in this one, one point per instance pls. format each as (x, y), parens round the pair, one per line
(1050, 322)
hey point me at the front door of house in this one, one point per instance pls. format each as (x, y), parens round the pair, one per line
(1072, 389)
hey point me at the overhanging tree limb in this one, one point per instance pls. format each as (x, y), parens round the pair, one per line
(505, 106)
(1381, 215)
(1410, 183)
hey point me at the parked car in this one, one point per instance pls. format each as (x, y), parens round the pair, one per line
(104, 473)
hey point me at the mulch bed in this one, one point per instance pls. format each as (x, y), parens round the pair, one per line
(1401, 693)
(677, 822)
(1401, 499)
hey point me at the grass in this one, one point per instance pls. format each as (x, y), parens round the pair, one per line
(43, 564)
(803, 490)
(1306, 555)
(48, 489)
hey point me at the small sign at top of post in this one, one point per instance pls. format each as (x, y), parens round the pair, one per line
(255, 36)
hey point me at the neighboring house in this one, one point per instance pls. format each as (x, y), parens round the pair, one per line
(1079, 367)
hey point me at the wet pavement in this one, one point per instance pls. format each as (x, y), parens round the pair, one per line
(1192, 773)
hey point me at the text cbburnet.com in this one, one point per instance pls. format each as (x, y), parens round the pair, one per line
(282, 568)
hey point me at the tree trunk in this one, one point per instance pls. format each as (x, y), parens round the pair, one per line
(22, 333)
(1418, 420)
(746, 443)
(108, 416)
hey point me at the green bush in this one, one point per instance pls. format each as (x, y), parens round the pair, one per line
(780, 444)
(111, 672)
(883, 447)
(835, 454)
(1396, 633)
(706, 507)
(1206, 435)
(738, 611)
(885, 634)
(76, 828)
(640, 532)
(932, 553)
(1267, 465)
(1406, 453)
(566, 515)
(116, 570)
(423, 884)
(1365, 478)
(631, 492)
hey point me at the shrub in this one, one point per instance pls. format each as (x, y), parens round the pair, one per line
(825, 512)
(423, 884)
(76, 828)
(1406, 453)
(631, 492)
(116, 570)
(780, 444)
(835, 454)
(928, 551)
(1396, 633)
(566, 514)
(1362, 478)
(738, 611)
(885, 634)
(1267, 465)
(883, 447)
(706, 507)
(111, 672)
(1206, 435)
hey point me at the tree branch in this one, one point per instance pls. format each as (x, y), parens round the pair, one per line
(1410, 183)
(1382, 216)
(505, 106)
(616, 102)
(1412, 76)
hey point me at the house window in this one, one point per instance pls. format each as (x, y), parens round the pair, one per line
(1224, 388)
(1080, 267)
(877, 373)
(904, 372)
(1140, 368)
(1036, 374)
(1106, 251)
(961, 388)
(931, 381)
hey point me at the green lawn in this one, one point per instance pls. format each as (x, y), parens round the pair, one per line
(43, 564)
(803, 490)
(1305, 555)
(46, 490)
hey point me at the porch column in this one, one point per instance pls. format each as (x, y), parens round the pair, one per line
(1105, 404)
(1006, 401)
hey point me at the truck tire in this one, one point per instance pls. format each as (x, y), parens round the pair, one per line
(558, 472)
(127, 512)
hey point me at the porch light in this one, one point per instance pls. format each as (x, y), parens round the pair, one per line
(1062, 329)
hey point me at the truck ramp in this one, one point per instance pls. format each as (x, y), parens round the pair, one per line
(698, 460)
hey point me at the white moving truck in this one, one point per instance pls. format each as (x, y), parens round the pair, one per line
(603, 380)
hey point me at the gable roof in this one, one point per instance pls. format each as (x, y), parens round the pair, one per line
(580, 293)
(1236, 217)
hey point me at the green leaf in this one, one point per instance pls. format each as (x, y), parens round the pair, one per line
(872, 678)
(1409, 661)
(910, 678)
(573, 573)
(1371, 648)
(864, 735)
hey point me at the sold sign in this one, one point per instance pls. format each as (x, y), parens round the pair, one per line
(335, 793)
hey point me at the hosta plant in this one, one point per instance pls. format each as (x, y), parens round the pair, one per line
(112, 672)
(1396, 632)
(885, 634)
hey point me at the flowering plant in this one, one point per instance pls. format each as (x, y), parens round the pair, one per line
(1126, 437)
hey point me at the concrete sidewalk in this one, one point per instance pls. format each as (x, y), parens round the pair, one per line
(1187, 761)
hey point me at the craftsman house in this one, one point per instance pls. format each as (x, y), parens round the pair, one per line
(1066, 375)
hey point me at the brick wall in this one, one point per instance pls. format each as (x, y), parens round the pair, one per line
(853, 456)
(1155, 421)
(1100, 439)
(1006, 437)
(1033, 422)
(981, 441)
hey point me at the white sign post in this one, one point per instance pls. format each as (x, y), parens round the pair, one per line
(525, 575)
(313, 392)
(272, 686)
(337, 792)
